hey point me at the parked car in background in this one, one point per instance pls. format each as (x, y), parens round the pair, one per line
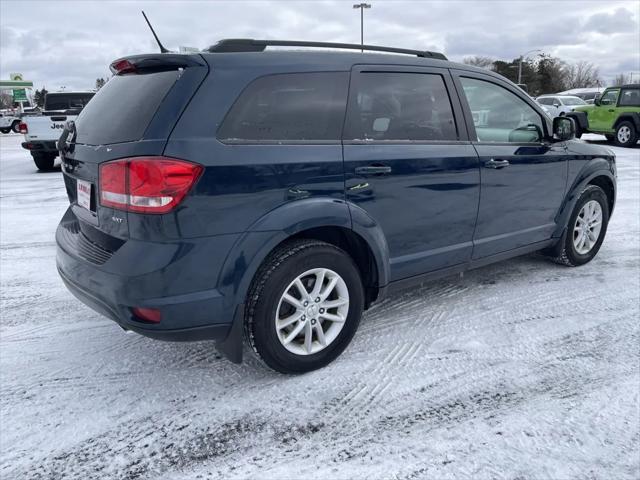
(9, 122)
(616, 115)
(588, 94)
(557, 105)
(41, 131)
(275, 195)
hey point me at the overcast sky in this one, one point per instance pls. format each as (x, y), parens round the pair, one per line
(71, 43)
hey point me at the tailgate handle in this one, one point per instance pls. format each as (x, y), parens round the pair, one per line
(58, 119)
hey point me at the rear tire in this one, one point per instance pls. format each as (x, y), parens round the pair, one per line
(44, 161)
(626, 135)
(15, 126)
(592, 207)
(5, 130)
(277, 328)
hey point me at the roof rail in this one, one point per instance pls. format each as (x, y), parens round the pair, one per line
(251, 45)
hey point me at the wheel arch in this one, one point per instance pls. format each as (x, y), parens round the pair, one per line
(325, 219)
(597, 172)
(633, 117)
(580, 118)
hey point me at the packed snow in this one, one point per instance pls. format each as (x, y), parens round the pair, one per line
(523, 369)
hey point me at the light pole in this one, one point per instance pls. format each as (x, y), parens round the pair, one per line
(520, 63)
(362, 6)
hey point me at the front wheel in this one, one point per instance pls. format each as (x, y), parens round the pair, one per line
(578, 129)
(626, 135)
(304, 306)
(44, 161)
(586, 228)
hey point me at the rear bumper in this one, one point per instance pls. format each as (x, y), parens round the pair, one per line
(40, 146)
(148, 275)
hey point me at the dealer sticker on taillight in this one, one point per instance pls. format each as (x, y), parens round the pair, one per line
(84, 194)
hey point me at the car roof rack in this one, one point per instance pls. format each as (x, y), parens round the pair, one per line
(250, 45)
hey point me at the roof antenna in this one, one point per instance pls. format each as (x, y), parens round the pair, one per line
(162, 49)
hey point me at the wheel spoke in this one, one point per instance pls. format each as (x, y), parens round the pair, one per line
(285, 322)
(334, 303)
(294, 333)
(320, 334)
(294, 302)
(308, 336)
(302, 289)
(330, 286)
(332, 318)
(318, 285)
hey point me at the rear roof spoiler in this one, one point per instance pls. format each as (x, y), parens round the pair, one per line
(251, 45)
(155, 62)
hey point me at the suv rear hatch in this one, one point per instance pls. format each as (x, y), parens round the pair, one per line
(131, 116)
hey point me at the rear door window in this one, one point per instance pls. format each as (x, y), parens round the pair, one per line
(630, 98)
(400, 106)
(288, 107)
(122, 110)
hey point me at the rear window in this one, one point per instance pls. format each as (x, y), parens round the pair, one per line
(630, 98)
(67, 101)
(122, 110)
(289, 107)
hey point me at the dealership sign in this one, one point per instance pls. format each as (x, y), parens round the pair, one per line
(19, 94)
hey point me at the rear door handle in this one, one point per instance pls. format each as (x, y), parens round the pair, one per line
(373, 170)
(493, 163)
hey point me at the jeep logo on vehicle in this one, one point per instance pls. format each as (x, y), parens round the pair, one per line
(57, 126)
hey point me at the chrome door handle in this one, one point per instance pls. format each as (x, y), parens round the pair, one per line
(373, 170)
(493, 163)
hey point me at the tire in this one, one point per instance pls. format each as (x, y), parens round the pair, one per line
(570, 255)
(5, 130)
(44, 161)
(15, 126)
(610, 138)
(626, 135)
(265, 304)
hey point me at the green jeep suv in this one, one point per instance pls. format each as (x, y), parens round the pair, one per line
(616, 115)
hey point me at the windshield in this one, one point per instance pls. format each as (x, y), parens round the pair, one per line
(573, 101)
(67, 101)
(122, 110)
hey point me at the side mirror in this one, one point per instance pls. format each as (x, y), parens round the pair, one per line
(556, 104)
(596, 101)
(564, 128)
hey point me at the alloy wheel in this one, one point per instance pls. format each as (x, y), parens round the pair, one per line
(586, 230)
(312, 311)
(624, 134)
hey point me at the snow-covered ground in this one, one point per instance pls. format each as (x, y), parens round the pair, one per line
(523, 369)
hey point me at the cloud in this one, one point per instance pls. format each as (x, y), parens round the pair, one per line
(71, 43)
(620, 21)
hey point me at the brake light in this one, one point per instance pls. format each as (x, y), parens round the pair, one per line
(22, 128)
(122, 66)
(146, 184)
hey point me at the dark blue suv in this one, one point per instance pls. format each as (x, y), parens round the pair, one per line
(273, 195)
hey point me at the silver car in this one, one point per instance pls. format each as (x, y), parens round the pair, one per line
(558, 105)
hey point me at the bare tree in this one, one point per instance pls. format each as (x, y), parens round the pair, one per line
(581, 75)
(6, 100)
(478, 61)
(621, 79)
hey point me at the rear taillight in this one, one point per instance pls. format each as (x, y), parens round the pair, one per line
(146, 184)
(122, 66)
(22, 128)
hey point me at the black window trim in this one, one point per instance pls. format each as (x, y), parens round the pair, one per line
(240, 141)
(444, 72)
(546, 122)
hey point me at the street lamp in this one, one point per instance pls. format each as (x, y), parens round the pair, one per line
(520, 63)
(362, 6)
